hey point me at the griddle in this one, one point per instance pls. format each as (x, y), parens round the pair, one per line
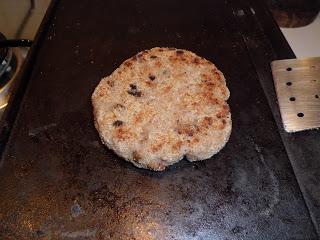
(3, 51)
(58, 181)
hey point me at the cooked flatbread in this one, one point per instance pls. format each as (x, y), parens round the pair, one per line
(161, 105)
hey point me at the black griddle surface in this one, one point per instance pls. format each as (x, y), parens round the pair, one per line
(57, 180)
(3, 50)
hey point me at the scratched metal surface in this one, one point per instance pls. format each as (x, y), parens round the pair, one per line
(298, 90)
(57, 180)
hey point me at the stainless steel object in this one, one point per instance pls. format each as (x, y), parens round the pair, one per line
(297, 84)
(5, 89)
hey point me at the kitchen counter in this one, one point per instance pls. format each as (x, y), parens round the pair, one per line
(59, 182)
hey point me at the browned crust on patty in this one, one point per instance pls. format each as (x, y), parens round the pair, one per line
(163, 104)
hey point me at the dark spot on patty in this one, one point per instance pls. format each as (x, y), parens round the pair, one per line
(187, 129)
(153, 56)
(134, 91)
(110, 83)
(128, 63)
(117, 123)
(152, 77)
(136, 156)
(133, 86)
(118, 105)
(179, 52)
(196, 60)
(165, 72)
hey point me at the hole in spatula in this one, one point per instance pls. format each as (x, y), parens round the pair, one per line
(289, 69)
(292, 99)
(316, 96)
(289, 83)
(300, 114)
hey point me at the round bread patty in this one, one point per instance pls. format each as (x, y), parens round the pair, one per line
(161, 105)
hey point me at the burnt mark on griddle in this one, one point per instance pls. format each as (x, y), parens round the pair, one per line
(134, 91)
(40, 233)
(237, 230)
(117, 123)
(102, 197)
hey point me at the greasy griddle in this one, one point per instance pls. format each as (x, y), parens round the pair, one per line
(58, 181)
